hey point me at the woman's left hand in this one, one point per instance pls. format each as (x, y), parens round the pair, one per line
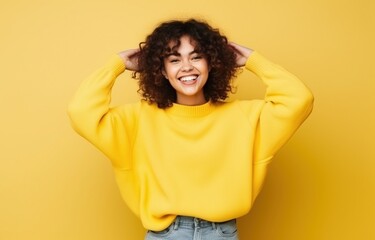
(242, 53)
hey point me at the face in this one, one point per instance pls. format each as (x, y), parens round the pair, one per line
(187, 72)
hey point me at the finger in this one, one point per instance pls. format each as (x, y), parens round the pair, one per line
(133, 52)
(236, 48)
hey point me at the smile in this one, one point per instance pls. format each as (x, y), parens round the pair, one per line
(188, 78)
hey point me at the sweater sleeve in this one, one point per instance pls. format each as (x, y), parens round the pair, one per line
(287, 103)
(109, 129)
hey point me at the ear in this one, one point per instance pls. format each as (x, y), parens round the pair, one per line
(164, 73)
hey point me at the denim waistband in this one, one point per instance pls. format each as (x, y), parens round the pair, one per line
(192, 222)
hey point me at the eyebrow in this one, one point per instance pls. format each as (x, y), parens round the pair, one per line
(178, 54)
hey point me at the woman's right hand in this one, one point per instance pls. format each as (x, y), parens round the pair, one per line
(130, 58)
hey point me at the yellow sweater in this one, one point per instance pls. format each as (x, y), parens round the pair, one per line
(206, 161)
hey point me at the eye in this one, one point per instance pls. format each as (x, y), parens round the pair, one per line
(197, 57)
(174, 60)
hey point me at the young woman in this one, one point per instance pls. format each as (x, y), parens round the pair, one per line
(188, 163)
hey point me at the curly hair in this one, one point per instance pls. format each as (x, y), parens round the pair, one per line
(221, 58)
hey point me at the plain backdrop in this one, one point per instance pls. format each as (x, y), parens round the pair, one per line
(56, 186)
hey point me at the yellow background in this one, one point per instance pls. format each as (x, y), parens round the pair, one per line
(54, 185)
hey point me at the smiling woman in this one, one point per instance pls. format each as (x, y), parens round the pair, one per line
(203, 43)
(176, 184)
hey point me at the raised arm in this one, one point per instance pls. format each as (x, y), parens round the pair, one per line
(90, 113)
(287, 103)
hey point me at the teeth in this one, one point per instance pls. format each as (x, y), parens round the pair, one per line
(188, 78)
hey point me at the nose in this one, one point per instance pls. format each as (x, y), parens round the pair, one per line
(186, 66)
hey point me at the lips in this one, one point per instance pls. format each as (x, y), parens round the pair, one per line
(188, 79)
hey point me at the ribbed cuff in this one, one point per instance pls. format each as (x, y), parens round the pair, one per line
(258, 64)
(116, 63)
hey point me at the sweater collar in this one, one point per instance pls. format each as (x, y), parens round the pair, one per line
(191, 111)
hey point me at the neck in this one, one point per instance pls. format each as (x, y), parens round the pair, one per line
(191, 100)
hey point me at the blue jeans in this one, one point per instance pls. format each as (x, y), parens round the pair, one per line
(189, 228)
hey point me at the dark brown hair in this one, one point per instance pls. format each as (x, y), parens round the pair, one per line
(155, 88)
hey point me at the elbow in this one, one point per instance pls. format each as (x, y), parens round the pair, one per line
(74, 111)
(305, 104)
(77, 122)
(299, 107)
(308, 101)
